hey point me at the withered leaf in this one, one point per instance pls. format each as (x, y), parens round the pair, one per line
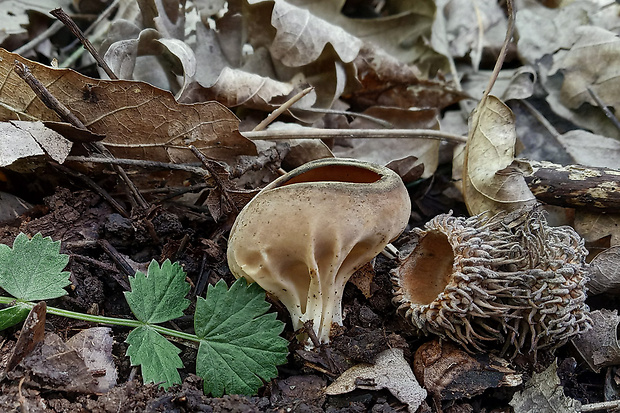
(543, 394)
(139, 120)
(598, 47)
(26, 141)
(390, 371)
(491, 179)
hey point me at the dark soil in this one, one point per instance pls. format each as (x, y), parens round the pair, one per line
(92, 233)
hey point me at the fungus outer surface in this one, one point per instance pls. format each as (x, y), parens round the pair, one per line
(302, 237)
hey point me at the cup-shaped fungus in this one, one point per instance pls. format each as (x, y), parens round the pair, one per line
(304, 235)
(516, 285)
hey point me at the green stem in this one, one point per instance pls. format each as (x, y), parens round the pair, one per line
(105, 320)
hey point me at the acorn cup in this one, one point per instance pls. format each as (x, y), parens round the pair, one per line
(304, 235)
(508, 283)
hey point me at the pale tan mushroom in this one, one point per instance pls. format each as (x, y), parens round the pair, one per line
(302, 237)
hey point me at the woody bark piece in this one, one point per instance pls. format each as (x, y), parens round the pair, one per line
(574, 185)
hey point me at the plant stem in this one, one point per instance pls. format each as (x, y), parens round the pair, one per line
(106, 320)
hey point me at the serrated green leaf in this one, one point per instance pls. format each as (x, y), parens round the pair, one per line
(158, 358)
(240, 345)
(32, 269)
(160, 295)
(12, 315)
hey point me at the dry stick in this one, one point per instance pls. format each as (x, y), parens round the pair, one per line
(315, 133)
(273, 115)
(118, 207)
(140, 163)
(50, 31)
(541, 119)
(574, 186)
(603, 106)
(376, 120)
(502, 54)
(592, 407)
(120, 262)
(54, 104)
(103, 15)
(216, 178)
(67, 21)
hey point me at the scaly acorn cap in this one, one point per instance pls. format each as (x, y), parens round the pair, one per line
(508, 281)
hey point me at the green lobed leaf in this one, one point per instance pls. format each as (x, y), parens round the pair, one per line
(32, 269)
(158, 358)
(13, 315)
(240, 345)
(160, 295)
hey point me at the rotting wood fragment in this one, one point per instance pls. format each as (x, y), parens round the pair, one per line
(573, 185)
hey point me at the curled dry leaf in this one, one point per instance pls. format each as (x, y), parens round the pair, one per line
(403, 34)
(587, 148)
(593, 226)
(404, 155)
(144, 121)
(94, 345)
(492, 181)
(25, 141)
(449, 373)
(544, 394)
(605, 272)
(600, 347)
(301, 37)
(598, 47)
(390, 371)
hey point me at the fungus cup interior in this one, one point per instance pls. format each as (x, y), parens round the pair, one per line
(428, 270)
(336, 173)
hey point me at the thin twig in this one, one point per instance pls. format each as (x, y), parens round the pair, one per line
(46, 97)
(54, 104)
(315, 133)
(592, 407)
(120, 262)
(50, 31)
(113, 202)
(216, 178)
(143, 164)
(67, 21)
(604, 108)
(502, 54)
(540, 118)
(274, 115)
(374, 119)
(103, 15)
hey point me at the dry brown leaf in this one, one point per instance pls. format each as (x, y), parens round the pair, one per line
(492, 180)
(599, 48)
(301, 36)
(94, 345)
(447, 372)
(403, 34)
(385, 151)
(235, 87)
(590, 149)
(544, 394)
(543, 31)
(600, 347)
(14, 14)
(390, 371)
(593, 226)
(386, 81)
(458, 23)
(26, 141)
(604, 272)
(142, 121)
